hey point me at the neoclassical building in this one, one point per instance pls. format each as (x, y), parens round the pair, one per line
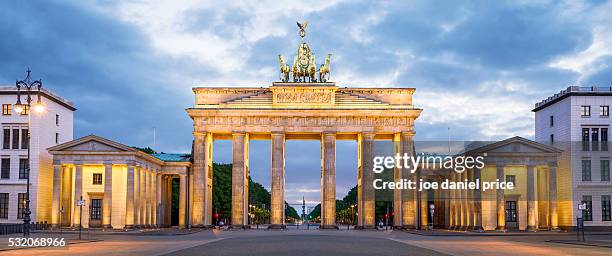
(120, 187)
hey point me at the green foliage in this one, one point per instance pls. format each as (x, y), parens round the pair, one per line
(147, 150)
(351, 197)
(315, 213)
(222, 190)
(290, 212)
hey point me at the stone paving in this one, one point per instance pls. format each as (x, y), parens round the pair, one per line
(308, 242)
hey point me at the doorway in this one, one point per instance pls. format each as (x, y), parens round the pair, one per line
(95, 217)
(511, 215)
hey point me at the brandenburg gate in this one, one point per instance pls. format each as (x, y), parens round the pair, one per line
(301, 107)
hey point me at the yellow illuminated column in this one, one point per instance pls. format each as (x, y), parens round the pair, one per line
(501, 201)
(478, 202)
(143, 200)
(137, 208)
(78, 193)
(182, 200)
(108, 196)
(240, 180)
(57, 186)
(408, 195)
(156, 192)
(532, 223)
(148, 198)
(464, 204)
(277, 218)
(328, 180)
(552, 193)
(67, 202)
(470, 201)
(130, 198)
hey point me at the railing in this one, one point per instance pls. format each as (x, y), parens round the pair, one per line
(13, 228)
(603, 89)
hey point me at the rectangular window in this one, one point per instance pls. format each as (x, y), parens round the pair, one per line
(21, 201)
(552, 121)
(6, 109)
(6, 139)
(26, 110)
(585, 139)
(595, 139)
(24, 139)
(97, 178)
(57, 119)
(5, 168)
(552, 139)
(23, 168)
(4, 205)
(604, 111)
(605, 208)
(585, 111)
(604, 139)
(511, 178)
(586, 170)
(605, 170)
(15, 138)
(56, 138)
(587, 214)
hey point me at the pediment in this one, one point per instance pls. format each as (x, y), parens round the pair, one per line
(92, 143)
(516, 145)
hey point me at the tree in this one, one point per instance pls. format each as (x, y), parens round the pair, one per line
(146, 150)
(290, 212)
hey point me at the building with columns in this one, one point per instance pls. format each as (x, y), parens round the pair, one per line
(121, 187)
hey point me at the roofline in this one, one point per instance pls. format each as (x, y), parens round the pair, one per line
(536, 144)
(572, 91)
(11, 90)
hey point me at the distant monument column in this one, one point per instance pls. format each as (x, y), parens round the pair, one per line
(328, 181)
(277, 218)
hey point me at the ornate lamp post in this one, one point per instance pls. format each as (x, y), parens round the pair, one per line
(29, 87)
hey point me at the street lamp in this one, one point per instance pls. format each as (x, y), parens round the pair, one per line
(432, 208)
(30, 87)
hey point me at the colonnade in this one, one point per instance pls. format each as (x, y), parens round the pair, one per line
(146, 193)
(202, 176)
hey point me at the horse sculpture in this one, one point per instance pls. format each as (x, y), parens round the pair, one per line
(304, 68)
(284, 68)
(324, 69)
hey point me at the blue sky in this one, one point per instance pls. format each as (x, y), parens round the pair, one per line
(478, 66)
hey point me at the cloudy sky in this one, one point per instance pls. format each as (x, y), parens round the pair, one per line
(478, 67)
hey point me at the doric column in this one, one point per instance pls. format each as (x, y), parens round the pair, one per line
(328, 181)
(107, 209)
(202, 179)
(470, 200)
(182, 200)
(408, 196)
(169, 201)
(159, 214)
(424, 206)
(398, 174)
(78, 194)
(477, 203)
(56, 201)
(154, 199)
(463, 203)
(137, 206)
(453, 198)
(67, 202)
(365, 189)
(277, 218)
(532, 224)
(148, 206)
(130, 198)
(240, 180)
(501, 201)
(143, 199)
(552, 196)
